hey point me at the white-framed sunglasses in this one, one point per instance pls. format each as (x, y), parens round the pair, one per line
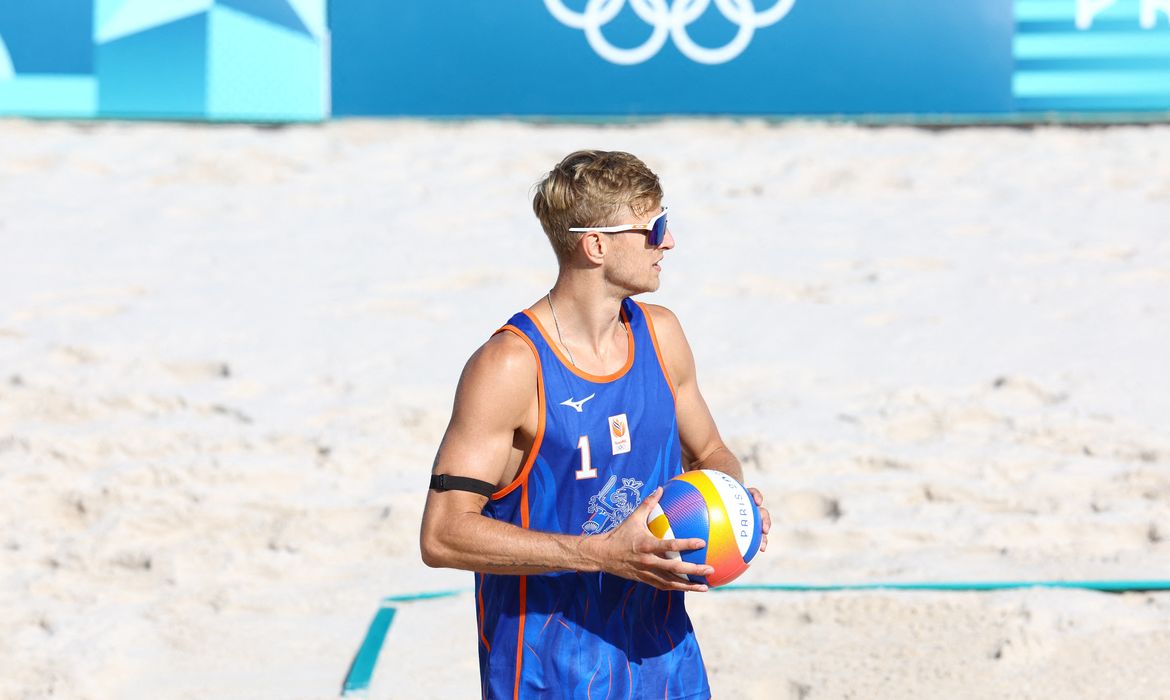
(655, 230)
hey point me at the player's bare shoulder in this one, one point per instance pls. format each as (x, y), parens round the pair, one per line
(672, 341)
(667, 327)
(662, 317)
(505, 353)
(500, 378)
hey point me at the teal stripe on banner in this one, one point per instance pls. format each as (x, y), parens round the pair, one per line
(1037, 65)
(1100, 24)
(1090, 83)
(1138, 44)
(357, 681)
(1044, 10)
(49, 96)
(1066, 10)
(1123, 104)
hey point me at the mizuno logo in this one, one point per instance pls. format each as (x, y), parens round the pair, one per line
(576, 405)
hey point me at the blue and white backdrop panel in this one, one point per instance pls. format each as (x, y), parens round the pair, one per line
(175, 59)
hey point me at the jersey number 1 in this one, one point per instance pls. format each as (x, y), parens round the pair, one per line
(586, 471)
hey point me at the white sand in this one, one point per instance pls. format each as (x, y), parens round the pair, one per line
(228, 354)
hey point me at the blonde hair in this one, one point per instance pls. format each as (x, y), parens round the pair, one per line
(588, 188)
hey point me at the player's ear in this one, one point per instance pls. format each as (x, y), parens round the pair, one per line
(595, 246)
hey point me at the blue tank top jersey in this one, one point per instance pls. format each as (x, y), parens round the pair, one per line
(602, 444)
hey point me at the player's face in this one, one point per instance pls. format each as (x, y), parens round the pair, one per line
(637, 264)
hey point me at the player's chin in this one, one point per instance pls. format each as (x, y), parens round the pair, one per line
(641, 286)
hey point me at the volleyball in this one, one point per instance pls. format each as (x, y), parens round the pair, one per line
(717, 509)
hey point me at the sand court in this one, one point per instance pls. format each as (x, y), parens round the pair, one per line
(227, 355)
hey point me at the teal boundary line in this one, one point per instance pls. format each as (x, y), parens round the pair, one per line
(411, 597)
(357, 680)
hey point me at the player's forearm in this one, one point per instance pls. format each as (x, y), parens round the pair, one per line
(476, 543)
(720, 459)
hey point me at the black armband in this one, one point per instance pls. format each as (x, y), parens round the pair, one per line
(446, 482)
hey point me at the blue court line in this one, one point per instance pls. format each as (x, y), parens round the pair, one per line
(357, 681)
(410, 597)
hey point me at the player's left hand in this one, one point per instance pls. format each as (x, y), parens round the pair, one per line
(765, 516)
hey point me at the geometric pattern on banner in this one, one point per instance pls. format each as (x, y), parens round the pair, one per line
(155, 59)
(122, 18)
(314, 15)
(46, 60)
(157, 73)
(47, 37)
(1091, 56)
(7, 70)
(276, 11)
(258, 63)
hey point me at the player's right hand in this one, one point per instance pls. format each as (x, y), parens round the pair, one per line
(633, 552)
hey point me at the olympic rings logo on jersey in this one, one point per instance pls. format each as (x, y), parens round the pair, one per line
(669, 22)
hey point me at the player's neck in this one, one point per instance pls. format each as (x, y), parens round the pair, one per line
(588, 311)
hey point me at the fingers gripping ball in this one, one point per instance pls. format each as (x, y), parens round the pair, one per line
(717, 509)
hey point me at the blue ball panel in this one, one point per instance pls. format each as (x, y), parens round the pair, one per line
(686, 511)
(754, 547)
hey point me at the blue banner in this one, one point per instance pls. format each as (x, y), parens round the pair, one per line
(635, 57)
(1087, 55)
(169, 59)
(281, 60)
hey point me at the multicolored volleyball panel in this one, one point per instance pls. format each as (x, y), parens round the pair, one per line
(717, 509)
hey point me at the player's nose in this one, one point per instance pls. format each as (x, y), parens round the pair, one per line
(667, 240)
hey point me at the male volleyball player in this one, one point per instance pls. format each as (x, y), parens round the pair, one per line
(566, 423)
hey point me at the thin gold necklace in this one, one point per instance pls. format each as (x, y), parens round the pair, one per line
(557, 324)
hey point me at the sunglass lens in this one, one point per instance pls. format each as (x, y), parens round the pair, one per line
(658, 231)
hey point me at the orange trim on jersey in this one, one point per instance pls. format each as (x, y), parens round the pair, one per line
(479, 597)
(657, 348)
(520, 634)
(520, 482)
(522, 475)
(524, 523)
(596, 378)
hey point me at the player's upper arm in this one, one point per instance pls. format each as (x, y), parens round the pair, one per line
(697, 431)
(496, 395)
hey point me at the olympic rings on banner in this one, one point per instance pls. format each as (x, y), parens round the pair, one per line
(668, 22)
